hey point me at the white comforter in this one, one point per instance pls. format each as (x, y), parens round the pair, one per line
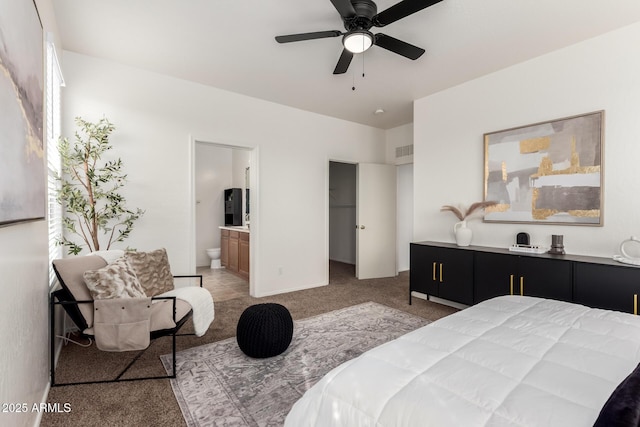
(508, 361)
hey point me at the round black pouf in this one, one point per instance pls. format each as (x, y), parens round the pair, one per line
(264, 330)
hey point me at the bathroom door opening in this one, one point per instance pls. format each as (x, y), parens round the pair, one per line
(218, 168)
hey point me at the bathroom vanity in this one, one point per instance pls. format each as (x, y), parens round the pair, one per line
(234, 249)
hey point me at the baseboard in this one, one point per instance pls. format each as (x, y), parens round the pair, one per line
(43, 401)
(284, 291)
(344, 261)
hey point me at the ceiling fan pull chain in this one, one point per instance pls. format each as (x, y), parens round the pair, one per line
(353, 77)
(362, 64)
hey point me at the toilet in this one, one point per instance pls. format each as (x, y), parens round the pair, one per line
(214, 254)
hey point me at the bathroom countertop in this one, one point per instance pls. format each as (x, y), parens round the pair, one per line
(242, 229)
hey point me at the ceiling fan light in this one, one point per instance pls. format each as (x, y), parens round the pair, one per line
(358, 41)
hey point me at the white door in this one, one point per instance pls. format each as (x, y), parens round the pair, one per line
(376, 221)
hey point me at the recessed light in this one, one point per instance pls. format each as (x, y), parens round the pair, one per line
(378, 111)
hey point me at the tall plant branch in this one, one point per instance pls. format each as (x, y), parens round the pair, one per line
(94, 210)
(92, 202)
(82, 222)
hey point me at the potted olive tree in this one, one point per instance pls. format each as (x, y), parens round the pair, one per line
(89, 188)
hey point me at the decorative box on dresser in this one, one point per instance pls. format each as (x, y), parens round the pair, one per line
(472, 274)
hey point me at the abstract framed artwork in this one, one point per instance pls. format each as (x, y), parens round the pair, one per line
(22, 167)
(546, 173)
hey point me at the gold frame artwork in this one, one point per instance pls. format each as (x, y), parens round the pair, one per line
(546, 173)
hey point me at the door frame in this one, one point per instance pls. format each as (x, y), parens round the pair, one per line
(254, 235)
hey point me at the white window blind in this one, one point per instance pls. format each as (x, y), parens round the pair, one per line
(53, 85)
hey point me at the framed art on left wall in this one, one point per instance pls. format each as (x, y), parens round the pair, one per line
(22, 167)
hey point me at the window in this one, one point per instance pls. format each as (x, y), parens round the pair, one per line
(53, 120)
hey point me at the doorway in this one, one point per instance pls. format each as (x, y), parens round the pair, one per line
(342, 220)
(362, 219)
(217, 168)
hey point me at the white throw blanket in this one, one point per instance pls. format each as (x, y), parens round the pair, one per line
(201, 302)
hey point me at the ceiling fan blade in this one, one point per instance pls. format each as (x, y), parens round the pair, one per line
(398, 46)
(344, 8)
(343, 63)
(307, 36)
(401, 10)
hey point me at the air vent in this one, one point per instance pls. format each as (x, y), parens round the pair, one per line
(406, 150)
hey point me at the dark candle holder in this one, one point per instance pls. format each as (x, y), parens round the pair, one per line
(557, 245)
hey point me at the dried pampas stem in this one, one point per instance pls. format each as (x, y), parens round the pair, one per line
(453, 209)
(461, 214)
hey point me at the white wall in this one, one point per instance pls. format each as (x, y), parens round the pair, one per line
(213, 174)
(241, 160)
(598, 74)
(157, 118)
(24, 356)
(404, 214)
(24, 334)
(399, 137)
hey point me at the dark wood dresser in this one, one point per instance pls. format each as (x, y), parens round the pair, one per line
(471, 274)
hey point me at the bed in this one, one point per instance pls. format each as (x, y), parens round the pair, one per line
(508, 361)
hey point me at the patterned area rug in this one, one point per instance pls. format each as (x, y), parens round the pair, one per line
(217, 385)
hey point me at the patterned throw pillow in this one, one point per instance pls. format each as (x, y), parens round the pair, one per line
(116, 280)
(152, 269)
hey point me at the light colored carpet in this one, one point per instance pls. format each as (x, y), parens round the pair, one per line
(218, 385)
(153, 403)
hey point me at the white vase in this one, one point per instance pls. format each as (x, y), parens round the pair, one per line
(463, 233)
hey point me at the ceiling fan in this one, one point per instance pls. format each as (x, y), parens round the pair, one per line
(358, 17)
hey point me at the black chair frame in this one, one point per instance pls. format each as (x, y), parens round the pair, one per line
(62, 298)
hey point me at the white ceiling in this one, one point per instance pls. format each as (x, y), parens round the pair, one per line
(229, 44)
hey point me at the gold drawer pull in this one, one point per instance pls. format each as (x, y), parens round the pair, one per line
(440, 272)
(434, 271)
(521, 286)
(635, 304)
(511, 284)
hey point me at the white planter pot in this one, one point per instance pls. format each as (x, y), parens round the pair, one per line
(463, 233)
